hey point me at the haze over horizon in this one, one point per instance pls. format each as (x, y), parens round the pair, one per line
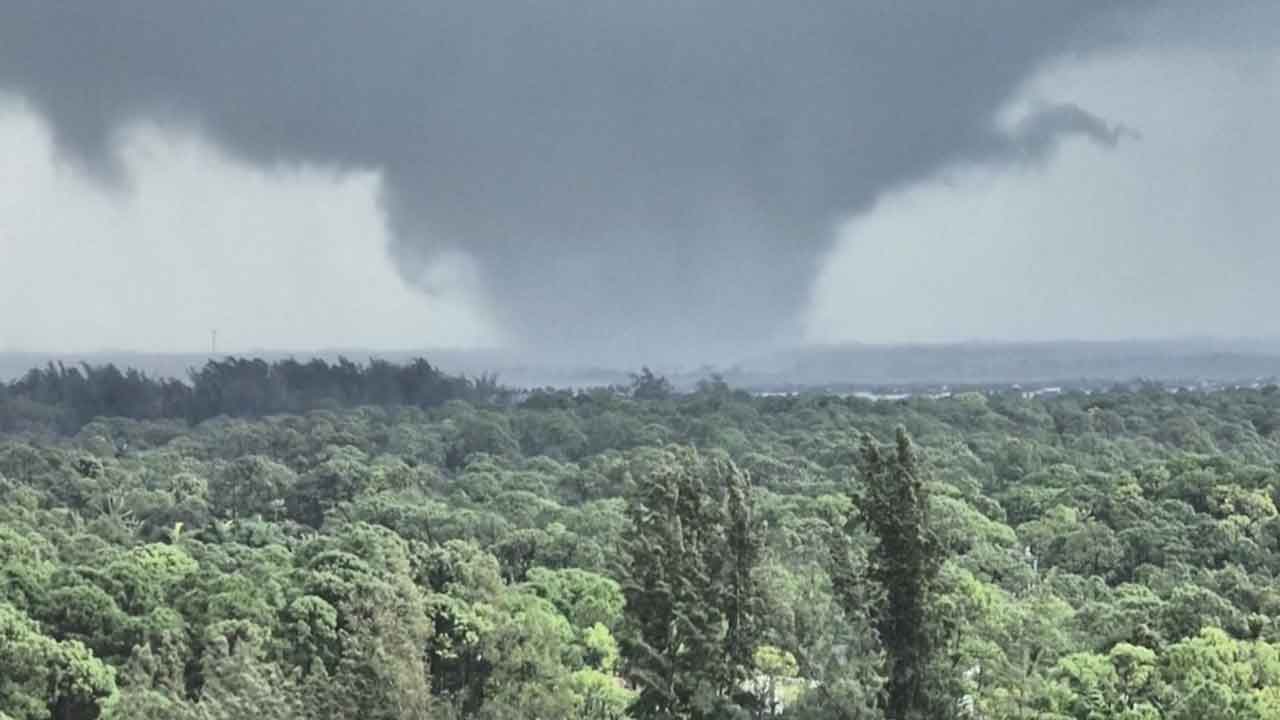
(685, 182)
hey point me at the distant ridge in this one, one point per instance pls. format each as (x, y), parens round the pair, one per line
(982, 362)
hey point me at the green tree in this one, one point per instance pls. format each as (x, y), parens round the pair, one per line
(42, 678)
(904, 564)
(683, 583)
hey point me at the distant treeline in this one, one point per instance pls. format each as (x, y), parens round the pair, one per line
(68, 397)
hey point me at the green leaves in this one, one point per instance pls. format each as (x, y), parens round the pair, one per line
(1210, 675)
(690, 596)
(41, 677)
(904, 564)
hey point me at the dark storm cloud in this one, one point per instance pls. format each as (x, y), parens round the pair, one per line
(625, 173)
(1036, 134)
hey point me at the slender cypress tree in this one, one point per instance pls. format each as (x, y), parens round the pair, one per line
(690, 598)
(652, 640)
(740, 596)
(905, 564)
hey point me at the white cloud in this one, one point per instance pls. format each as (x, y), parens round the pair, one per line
(286, 257)
(1175, 234)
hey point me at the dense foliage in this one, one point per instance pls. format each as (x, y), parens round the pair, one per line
(641, 553)
(65, 398)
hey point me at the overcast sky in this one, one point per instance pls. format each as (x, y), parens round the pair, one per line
(627, 181)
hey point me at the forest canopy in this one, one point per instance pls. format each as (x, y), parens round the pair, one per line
(66, 397)
(293, 540)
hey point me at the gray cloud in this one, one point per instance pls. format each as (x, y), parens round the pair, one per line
(1034, 136)
(630, 176)
(1172, 236)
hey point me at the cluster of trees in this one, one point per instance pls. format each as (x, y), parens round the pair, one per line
(65, 398)
(601, 555)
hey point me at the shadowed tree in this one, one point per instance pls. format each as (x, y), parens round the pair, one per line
(905, 565)
(689, 599)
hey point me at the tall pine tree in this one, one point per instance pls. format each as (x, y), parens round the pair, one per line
(741, 597)
(903, 567)
(690, 553)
